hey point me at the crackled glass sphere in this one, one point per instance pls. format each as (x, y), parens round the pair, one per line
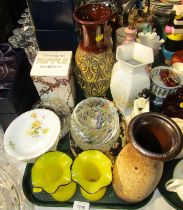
(95, 124)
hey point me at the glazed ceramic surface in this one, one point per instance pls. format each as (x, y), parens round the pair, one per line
(168, 173)
(162, 86)
(130, 35)
(94, 57)
(153, 138)
(151, 39)
(51, 170)
(93, 71)
(128, 75)
(95, 124)
(176, 183)
(32, 134)
(173, 104)
(92, 170)
(134, 175)
(178, 68)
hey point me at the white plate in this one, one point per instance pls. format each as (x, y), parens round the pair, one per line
(32, 134)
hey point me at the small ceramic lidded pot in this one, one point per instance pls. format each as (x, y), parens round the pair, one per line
(153, 138)
(164, 81)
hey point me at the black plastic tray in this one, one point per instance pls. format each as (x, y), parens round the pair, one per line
(171, 197)
(110, 200)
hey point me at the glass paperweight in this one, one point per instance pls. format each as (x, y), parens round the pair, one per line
(60, 108)
(95, 124)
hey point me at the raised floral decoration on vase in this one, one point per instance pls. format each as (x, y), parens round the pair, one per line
(94, 57)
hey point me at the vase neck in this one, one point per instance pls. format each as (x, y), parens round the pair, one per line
(130, 68)
(92, 38)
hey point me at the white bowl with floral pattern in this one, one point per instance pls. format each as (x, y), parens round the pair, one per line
(32, 134)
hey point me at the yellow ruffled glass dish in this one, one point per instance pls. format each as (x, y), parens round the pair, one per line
(51, 171)
(92, 171)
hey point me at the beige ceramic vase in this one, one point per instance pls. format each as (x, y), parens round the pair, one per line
(153, 138)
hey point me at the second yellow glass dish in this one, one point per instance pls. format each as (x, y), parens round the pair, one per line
(92, 170)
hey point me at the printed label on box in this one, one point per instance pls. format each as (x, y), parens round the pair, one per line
(53, 77)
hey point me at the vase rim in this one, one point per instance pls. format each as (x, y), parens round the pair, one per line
(100, 20)
(164, 156)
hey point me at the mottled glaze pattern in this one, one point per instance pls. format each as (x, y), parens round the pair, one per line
(153, 139)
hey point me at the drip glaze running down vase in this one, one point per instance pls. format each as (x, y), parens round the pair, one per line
(94, 57)
(154, 138)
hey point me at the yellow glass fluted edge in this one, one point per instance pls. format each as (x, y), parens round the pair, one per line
(51, 170)
(94, 196)
(92, 170)
(175, 37)
(64, 193)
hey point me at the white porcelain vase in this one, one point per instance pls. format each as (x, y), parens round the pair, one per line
(129, 76)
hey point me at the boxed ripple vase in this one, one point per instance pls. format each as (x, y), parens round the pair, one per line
(52, 76)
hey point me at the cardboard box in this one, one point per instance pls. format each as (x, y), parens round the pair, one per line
(10, 99)
(52, 14)
(53, 77)
(57, 40)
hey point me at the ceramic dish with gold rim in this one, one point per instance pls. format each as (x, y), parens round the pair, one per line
(32, 134)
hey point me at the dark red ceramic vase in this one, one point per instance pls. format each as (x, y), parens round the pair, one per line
(92, 20)
(94, 57)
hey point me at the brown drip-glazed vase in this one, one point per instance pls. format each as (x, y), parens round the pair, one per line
(94, 57)
(154, 138)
